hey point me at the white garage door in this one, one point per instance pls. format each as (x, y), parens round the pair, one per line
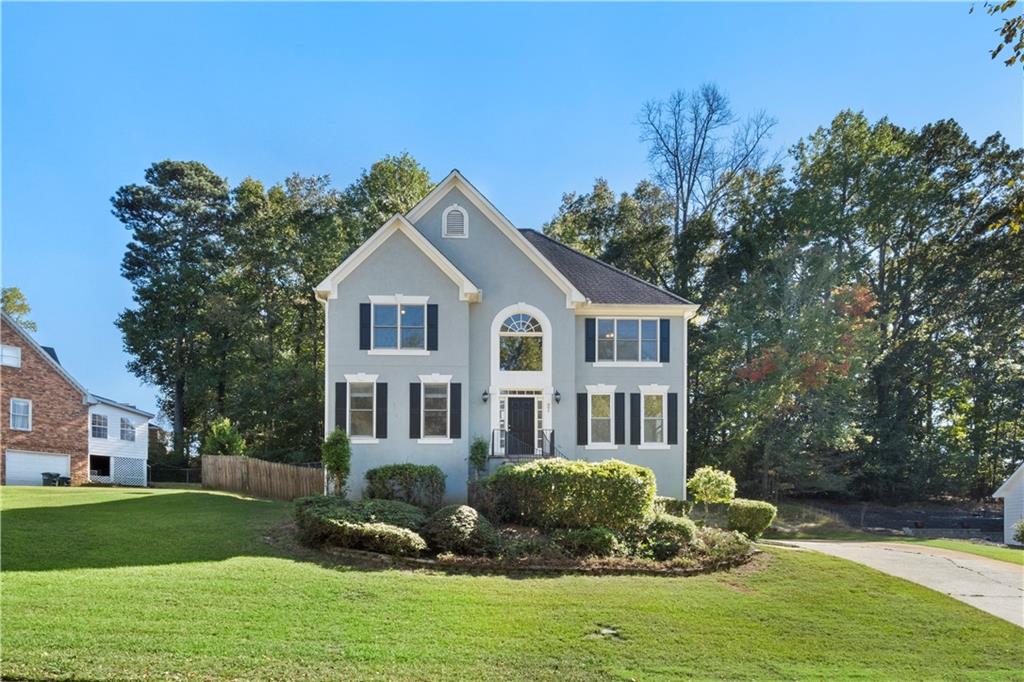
(27, 468)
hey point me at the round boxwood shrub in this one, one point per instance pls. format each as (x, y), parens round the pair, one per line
(584, 542)
(750, 517)
(461, 530)
(559, 493)
(417, 484)
(669, 535)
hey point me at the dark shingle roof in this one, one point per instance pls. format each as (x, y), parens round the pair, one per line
(52, 353)
(600, 282)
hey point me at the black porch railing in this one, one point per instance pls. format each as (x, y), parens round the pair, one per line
(505, 443)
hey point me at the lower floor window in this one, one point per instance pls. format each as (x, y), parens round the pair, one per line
(99, 465)
(360, 416)
(600, 418)
(654, 418)
(435, 410)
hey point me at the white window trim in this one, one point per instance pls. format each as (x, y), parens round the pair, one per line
(435, 378)
(121, 430)
(398, 300)
(615, 345)
(10, 356)
(600, 389)
(654, 389)
(11, 422)
(501, 379)
(360, 379)
(465, 222)
(107, 437)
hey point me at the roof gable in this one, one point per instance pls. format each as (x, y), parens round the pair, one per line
(455, 179)
(328, 288)
(1004, 489)
(41, 352)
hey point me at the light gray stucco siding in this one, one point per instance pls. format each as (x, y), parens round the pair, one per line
(399, 267)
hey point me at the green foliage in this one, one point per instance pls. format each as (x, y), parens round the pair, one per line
(393, 185)
(709, 485)
(418, 484)
(14, 303)
(461, 530)
(712, 546)
(336, 454)
(1018, 531)
(1011, 33)
(559, 493)
(223, 439)
(668, 536)
(670, 505)
(751, 517)
(583, 542)
(374, 525)
(478, 451)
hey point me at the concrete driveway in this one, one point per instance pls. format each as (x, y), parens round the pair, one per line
(990, 585)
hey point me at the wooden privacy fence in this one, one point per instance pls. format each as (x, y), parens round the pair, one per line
(260, 478)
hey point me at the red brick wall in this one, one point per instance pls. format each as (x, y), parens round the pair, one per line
(60, 418)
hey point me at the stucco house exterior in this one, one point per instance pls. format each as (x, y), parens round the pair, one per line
(53, 423)
(449, 324)
(1012, 494)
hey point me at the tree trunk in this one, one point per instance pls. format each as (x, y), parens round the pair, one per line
(179, 417)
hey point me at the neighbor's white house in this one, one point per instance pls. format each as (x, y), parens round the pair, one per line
(118, 442)
(450, 324)
(1012, 494)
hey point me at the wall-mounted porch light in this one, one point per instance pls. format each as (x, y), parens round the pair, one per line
(558, 396)
(486, 395)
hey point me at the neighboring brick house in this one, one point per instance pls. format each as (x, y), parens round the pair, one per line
(47, 428)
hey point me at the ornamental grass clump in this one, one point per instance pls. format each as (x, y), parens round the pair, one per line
(750, 517)
(559, 493)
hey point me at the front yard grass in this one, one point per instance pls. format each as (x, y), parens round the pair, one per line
(151, 584)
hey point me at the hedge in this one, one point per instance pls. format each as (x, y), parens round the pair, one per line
(668, 536)
(559, 493)
(461, 530)
(673, 506)
(750, 517)
(417, 484)
(377, 525)
(583, 542)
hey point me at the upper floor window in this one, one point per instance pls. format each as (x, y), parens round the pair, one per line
(99, 425)
(10, 356)
(21, 414)
(521, 344)
(455, 222)
(399, 326)
(127, 429)
(627, 340)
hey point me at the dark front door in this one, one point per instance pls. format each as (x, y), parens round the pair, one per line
(520, 426)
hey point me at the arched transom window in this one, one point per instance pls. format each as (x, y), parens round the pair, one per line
(521, 344)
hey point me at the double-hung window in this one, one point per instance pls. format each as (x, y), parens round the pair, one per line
(21, 414)
(99, 426)
(360, 409)
(127, 429)
(10, 356)
(399, 326)
(600, 419)
(653, 405)
(435, 410)
(627, 340)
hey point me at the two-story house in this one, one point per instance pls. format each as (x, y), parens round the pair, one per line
(54, 425)
(449, 323)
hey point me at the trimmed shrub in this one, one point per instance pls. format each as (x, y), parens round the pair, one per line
(559, 493)
(584, 542)
(336, 454)
(461, 530)
(377, 525)
(714, 546)
(1018, 531)
(668, 536)
(418, 484)
(709, 485)
(750, 517)
(673, 506)
(478, 451)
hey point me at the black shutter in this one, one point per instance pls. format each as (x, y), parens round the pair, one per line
(364, 326)
(431, 326)
(664, 341)
(634, 418)
(620, 418)
(581, 419)
(673, 418)
(382, 411)
(455, 411)
(590, 338)
(340, 400)
(414, 410)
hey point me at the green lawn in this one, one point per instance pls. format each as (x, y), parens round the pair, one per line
(120, 584)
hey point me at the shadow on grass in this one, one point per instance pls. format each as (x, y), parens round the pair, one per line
(145, 529)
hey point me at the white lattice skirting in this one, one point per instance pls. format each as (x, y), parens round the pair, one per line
(128, 471)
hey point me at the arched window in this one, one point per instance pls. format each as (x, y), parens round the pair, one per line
(455, 222)
(521, 344)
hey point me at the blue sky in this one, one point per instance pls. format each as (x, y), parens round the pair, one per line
(528, 101)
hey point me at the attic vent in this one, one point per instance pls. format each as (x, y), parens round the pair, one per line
(454, 222)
